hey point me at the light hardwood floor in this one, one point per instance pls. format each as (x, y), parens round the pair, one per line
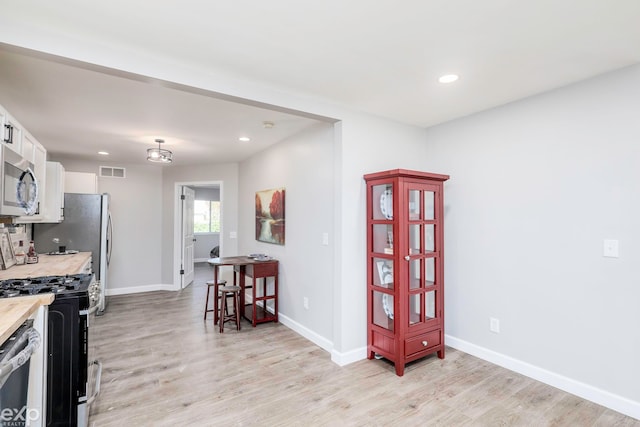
(165, 366)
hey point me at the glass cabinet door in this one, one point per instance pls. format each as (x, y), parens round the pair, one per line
(422, 242)
(382, 274)
(382, 203)
(382, 214)
(383, 310)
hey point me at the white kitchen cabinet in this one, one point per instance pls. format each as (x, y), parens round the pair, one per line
(53, 210)
(3, 120)
(81, 182)
(11, 131)
(40, 165)
(28, 146)
(34, 152)
(52, 201)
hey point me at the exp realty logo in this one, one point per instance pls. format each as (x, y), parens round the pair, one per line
(18, 417)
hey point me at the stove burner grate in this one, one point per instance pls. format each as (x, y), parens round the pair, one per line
(46, 284)
(9, 293)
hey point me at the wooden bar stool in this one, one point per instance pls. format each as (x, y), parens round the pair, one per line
(211, 283)
(225, 292)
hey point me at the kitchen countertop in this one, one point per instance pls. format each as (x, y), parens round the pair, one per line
(48, 265)
(14, 311)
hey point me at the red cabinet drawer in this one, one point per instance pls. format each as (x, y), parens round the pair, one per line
(422, 342)
(263, 269)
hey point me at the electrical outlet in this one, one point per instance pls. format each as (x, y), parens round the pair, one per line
(610, 248)
(494, 325)
(305, 303)
(325, 239)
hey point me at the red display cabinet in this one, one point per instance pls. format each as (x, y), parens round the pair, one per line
(405, 277)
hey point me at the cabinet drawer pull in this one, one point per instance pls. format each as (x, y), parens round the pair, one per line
(425, 343)
(407, 258)
(9, 138)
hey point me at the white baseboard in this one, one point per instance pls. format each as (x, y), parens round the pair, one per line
(319, 340)
(585, 391)
(342, 359)
(139, 289)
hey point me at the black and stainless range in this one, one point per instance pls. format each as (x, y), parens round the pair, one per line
(68, 363)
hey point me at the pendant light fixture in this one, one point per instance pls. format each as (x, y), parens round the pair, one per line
(159, 155)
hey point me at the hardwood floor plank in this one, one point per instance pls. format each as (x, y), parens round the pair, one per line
(571, 410)
(480, 398)
(165, 366)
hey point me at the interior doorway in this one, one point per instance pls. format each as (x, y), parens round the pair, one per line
(198, 226)
(188, 235)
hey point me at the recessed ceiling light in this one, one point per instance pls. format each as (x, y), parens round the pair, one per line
(103, 153)
(448, 78)
(244, 139)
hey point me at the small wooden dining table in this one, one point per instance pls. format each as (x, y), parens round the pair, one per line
(247, 266)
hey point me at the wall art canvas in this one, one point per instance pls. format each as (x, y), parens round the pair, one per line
(270, 216)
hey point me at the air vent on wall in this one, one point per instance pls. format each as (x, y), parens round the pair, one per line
(112, 172)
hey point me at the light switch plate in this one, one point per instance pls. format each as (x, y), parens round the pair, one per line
(494, 325)
(610, 248)
(233, 235)
(325, 238)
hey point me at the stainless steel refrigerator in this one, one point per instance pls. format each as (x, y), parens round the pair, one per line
(87, 227)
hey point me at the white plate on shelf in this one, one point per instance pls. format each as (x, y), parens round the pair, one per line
(387, 305)
(260, 257)
(386, 204)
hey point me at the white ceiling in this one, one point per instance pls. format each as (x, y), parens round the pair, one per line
(380, 57)
(75, 112)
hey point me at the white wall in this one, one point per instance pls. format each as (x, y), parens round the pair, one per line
(535, 187)
(361, 144)
(364, 144)
(203, 193)
(303, 165)
(204, 244)
(136, 241)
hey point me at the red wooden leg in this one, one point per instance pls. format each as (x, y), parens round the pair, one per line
(215, 295)
(206, 303)
(236, 303)
(275, 292)
(254, 302)
(223, 308)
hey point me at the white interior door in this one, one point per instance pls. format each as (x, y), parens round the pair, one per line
(188, 196)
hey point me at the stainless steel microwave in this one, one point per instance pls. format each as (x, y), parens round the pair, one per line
(19, 185)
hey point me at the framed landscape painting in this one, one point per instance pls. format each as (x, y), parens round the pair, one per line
(270, 216)
(7, 257)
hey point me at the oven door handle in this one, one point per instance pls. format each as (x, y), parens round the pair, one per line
(96, 382)
(89, 311)
(7, 367)
(92, 310)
